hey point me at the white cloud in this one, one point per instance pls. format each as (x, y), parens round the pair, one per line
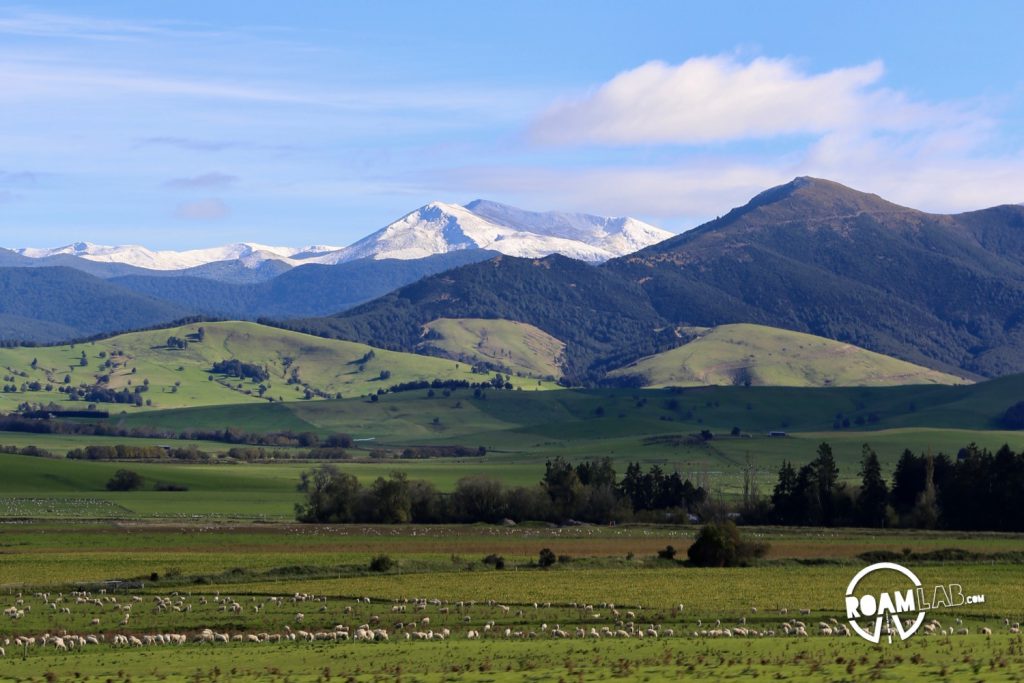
(210, 209)
(716, 99)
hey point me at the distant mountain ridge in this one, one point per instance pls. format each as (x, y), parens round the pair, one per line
(436, 228)
(810, 256)
(443, 228)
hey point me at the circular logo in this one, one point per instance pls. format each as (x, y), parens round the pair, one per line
(888, 608)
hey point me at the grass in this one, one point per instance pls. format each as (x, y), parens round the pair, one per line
(768, 356)
(970, 658)
(522, 348)
(208, 567)
(181, 378)
(522, 429)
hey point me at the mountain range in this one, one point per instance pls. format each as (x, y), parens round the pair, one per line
(812, 256)
(945, 291)
(434, 229)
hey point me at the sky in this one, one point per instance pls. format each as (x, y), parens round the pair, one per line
(190, 124)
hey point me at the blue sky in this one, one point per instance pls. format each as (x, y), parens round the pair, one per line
(189, 124)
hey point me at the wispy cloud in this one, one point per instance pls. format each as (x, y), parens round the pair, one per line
(212, 180)
(720, 99)
(24, 80)
(66, 26)
(210, 209)
(842, 124)
(210, 145)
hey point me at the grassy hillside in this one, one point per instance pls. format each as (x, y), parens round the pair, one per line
(182, 377)
(524, 418)
(521, 430)
(655, 426)
(768, 356)
(520, 347)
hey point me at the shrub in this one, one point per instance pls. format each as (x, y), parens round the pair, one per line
(668, 553)
(497, 561)
(546, 558)
(720, 545)
(124, 480)
(381, 563)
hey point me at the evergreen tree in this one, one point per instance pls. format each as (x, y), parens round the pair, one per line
(871, 501)
(783, 496)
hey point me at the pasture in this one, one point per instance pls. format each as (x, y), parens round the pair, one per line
(770, 356)
(217, 580)
(272, 602)
(179, 377)
(266, 491)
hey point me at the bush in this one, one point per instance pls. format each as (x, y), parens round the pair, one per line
(381, 563)
(720, 545)
(497, 561)
(669, 553)
(125, 480)
(546, 558)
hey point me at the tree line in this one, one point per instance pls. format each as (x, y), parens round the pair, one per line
(193, 454)
(585, 492)
(231, 435)
(976, 490)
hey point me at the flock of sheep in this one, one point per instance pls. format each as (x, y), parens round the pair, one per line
(411, 619)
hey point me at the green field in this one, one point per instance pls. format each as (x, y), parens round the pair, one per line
(520, 431)
(224, 554)
(769, 356)
(182, 377)
(256, 583)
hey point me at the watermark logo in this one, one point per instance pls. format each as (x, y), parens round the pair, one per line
(902, 609)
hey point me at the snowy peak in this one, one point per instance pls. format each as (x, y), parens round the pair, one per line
(439, 228)
(250, 254)
(617, 235)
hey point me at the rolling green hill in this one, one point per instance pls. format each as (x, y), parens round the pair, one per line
(766, 356)
(183, 378)
(519, 347)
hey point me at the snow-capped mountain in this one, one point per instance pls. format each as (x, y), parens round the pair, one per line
(249, 254)
(436, 228)
(439, 228)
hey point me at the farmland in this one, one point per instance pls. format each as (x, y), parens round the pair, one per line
(248, 580)
(219, 549)
(768, 356)
(520, 431)
(181, 376)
